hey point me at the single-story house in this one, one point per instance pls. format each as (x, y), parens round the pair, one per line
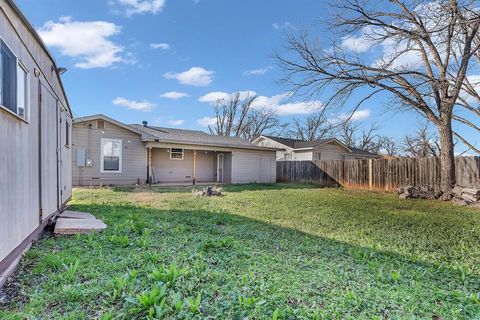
(35, 126)
(321, 149)
(108, 152)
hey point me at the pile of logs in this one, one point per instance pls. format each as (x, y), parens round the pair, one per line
(459, 195)
(466, 196)
(411, 192)
(208, 192)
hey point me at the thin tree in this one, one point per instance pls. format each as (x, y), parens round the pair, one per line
(236, 117)
(425, 51)
(312, 127)
(366, 139)
(422, 143)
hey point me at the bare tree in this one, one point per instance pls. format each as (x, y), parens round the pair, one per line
(236, 117)
(389, 147)
(432, 47)
(367, 139)
(261, 121)
(422, 143)
(313, 127)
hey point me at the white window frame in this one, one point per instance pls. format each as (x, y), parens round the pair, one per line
(183, 154)
(102, 143)
(19, 64)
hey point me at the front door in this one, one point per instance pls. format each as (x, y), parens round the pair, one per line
(220, 163)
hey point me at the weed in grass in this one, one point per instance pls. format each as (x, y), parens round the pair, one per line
(193, 304)
(122, 241)
(168, 275)
(148, 301)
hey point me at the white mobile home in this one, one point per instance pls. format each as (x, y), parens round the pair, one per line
(108, 152)
(35, 123)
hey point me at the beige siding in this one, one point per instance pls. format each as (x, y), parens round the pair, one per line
(281, 155)
(170, 170)
(134, 155)
(302, 155)
(20, 173)
(330, 151)
(253, 166)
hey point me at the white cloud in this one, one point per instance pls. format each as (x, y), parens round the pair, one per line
(256, 72)
(278, 104)
(281, 25)
(176, 122)
(195, 76)
(357, 115)
(358, 44)
(134, 105)
(207, 121)
(174, 95)
(213, 97)
(140, 6)
(86, 41)
(162, 46)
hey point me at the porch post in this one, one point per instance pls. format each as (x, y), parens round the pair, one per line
(150, 166)
(194, 165)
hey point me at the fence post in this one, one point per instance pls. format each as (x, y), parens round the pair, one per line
(370, 174)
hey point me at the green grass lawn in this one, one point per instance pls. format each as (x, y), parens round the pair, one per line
(260, 252)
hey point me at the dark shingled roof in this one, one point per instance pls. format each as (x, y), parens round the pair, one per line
(194, 137)
(300, 144)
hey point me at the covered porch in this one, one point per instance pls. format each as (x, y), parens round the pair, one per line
(181, 165)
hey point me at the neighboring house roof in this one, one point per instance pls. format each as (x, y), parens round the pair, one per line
(39, 39)
(302, 144)
(196, 137)
(179, 136)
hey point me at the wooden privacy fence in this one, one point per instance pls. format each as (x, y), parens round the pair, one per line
(378, 174)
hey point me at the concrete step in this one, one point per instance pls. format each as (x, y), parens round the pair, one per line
(76, 215)
(70, 225)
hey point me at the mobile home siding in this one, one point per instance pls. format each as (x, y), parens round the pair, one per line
(88, 136)
(247, 166)
(31, 180)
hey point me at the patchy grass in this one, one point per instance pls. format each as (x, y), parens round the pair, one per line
(262, 252)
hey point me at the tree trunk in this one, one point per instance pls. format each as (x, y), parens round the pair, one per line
(447, 157)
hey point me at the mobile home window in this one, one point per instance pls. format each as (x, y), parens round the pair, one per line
(111, 154)
(13, 82)
(176, 154)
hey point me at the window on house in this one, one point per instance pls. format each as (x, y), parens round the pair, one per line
(111, 154)
(317, 156)
(13, 82)
(176, 154)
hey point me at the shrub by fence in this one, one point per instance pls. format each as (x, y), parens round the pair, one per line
(378, 174)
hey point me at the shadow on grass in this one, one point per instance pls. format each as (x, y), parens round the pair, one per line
(301, 271)
(227, 187)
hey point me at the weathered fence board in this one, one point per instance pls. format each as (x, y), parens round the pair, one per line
(378, 174)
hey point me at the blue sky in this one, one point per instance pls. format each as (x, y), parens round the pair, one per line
(128, 59)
